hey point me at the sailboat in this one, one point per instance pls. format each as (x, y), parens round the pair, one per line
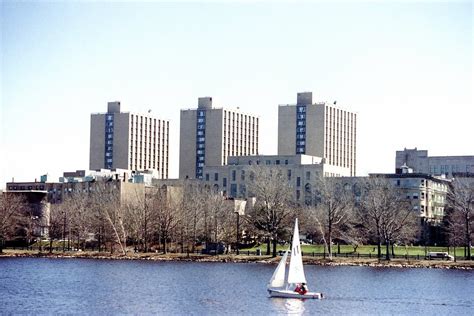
(281, 287)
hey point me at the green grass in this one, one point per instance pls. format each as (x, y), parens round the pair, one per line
(366, 249)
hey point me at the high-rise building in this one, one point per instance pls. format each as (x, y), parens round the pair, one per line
(318, 129)
(209, 135)
(129, 141)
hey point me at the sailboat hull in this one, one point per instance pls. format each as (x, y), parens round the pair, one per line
(293, 294)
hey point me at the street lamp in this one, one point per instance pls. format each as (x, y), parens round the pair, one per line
(239, 209)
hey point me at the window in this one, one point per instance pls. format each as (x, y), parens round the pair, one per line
(298, 181)
(288, 173)
(242, 175)
(298, 193)
(224, 182)
(233, 190)
(308, 175)
(207, 176)
(216, 176)
(234, 175)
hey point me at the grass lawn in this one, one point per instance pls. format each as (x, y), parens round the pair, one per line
(366, 249)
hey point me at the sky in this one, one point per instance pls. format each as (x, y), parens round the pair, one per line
(405, 67)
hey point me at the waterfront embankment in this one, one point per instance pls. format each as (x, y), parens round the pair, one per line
(244, 258)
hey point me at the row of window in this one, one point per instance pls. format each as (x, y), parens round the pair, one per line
(200, 142)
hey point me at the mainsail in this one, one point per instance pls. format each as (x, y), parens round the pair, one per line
(296, 272)
(278, 277)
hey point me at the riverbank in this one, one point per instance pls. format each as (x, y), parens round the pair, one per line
(394, 263)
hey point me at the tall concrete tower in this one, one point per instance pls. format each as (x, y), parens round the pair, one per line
(318, 129)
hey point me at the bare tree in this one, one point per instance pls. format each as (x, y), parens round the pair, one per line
(11, 209)
(106, 201)
(164, 207)
(461, 201)
(331, 208)
(273, 209)
(386, 213)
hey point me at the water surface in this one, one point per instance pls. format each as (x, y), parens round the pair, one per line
(98, 287)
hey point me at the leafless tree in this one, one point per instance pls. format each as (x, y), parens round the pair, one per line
(11, 209)
(273, 209)
(106, 202)
(385, 213)
(331, 209)
(164, 209)
(460, 200)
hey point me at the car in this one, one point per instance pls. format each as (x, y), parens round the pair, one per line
(439, 255)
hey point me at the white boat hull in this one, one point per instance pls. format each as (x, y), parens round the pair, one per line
(293, 294)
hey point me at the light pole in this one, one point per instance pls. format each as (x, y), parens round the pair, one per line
(239, 209)
(64, 231)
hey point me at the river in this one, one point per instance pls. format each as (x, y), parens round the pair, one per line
(98, 287)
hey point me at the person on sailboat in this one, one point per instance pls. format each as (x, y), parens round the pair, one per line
(304, 288)
(301, 288)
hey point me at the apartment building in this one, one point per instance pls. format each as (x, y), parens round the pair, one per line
(208, 136)
(125, 140)
(300, 170)
(318, 129)
(420, 162)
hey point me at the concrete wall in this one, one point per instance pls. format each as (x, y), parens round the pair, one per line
(121, 148)
(286, 130)
(187, 144)
(315, 130)
(97, 142)
(214, 135)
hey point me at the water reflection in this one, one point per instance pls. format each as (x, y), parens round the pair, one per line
(289, 306)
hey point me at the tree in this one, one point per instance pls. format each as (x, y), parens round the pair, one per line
(11, 209)
(106, 202)
(273, 209)
(386, 213)
(460, 200)
(331, 208)
(164, 207)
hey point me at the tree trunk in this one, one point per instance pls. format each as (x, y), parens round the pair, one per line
(379, 248)
(164, 245)
(268, 246)
(468, 237)
(274, 247)
(387, 251)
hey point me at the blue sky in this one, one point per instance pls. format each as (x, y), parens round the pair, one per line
(405, 68)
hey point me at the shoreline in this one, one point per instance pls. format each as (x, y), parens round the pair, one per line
(233, 258)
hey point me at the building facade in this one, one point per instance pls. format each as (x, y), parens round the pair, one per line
(318, 129)
(208, 136)
(426, 193)
(124, 140)
(301, 171)
(448, 166)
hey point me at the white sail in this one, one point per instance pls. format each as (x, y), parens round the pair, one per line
(296, 272)
(278, 277)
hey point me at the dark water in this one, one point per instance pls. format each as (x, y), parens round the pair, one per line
(94, 287)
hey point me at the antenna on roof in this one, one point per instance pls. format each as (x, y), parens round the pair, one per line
(335, 102)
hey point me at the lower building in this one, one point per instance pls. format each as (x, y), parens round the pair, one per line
(420, 162)
(426, 193)
(301, 170)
